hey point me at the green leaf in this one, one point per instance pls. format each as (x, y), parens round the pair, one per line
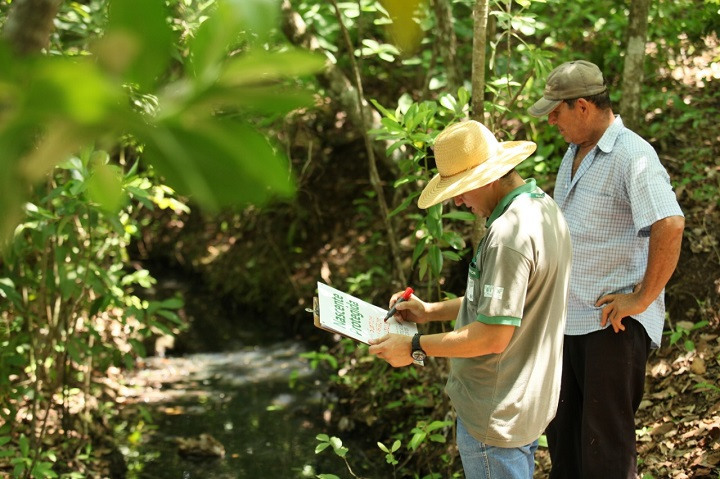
(419, 248)
(231, 21)
(448, 101)
(435, 259)
(219, 163)
(459, 215)
(416, 440)
(454, 239)
(321, 447)
(24, 444)
(387, 113)
(43, 470)
(105, 187)
(138, 41)
(138, 347)
(7, 290)
(72, 89)
(403, 206)
(260, 66)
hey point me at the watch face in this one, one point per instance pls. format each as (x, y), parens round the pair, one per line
(418, 355)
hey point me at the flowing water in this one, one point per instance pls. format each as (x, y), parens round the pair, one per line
(262, 403)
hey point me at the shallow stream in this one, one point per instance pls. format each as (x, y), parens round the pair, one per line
(244, 400)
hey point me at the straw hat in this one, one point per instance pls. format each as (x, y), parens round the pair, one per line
(469, 156)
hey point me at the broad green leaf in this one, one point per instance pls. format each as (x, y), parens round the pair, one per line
(172, 303)
(231, 21)
(459, 215)
(220, 163)
(403, 206)
(70, 89)
(259, 66)
(387, 113)
(105, 187)
(416, 440)
(435, 259)
(24, 444)
(419, 248)
(261, 99)
(138, 41)
(454, 239)
(7, 290)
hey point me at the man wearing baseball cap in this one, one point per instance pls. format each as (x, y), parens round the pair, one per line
(506, 348)
(626, 228)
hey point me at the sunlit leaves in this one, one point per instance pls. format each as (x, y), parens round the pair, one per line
(197, 130)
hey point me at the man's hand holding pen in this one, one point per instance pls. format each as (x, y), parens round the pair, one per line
(404, 296)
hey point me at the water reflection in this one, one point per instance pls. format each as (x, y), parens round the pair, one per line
(244, 400)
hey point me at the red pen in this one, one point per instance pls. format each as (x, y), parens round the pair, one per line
(405, 296)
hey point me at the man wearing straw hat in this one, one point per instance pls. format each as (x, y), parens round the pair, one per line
(506, 348)
(626, 227)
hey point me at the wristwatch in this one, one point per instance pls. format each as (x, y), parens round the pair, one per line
(417, 353)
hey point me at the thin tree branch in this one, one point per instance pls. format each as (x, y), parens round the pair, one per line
(374, 175)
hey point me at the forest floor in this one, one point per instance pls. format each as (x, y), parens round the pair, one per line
(678, 424)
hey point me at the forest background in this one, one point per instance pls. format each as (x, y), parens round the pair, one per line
(259, 147)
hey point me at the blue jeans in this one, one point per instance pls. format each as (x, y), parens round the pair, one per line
(481, 461)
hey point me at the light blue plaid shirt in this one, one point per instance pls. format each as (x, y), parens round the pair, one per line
(618, 192)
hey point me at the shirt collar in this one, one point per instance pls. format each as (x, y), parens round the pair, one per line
(527, 188)
(607, 141)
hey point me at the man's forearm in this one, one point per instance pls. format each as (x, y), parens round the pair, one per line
(444, 310)
(664, 252)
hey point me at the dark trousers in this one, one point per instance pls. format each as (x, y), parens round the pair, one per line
(593, 433)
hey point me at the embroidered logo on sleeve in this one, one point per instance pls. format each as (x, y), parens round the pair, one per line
(495, 292)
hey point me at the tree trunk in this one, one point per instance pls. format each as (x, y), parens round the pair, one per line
(633, 70)
(447, 42)
(480, 23)
(29, 25)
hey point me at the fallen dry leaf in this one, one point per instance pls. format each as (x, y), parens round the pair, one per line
(698, 366)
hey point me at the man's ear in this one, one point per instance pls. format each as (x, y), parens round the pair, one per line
(583, 104)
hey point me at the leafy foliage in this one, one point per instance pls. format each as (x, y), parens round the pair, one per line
(200, 136)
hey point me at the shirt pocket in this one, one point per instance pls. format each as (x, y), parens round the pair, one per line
(472, 291)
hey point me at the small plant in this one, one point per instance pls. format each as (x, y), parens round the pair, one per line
(683, 330)
(339, 450)
(389, 456)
